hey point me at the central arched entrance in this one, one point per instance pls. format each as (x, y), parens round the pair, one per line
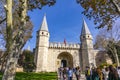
(65, 59)
(64, 63)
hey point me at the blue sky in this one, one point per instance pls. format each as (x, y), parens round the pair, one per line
(64, 22)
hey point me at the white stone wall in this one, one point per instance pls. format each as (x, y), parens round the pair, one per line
(42, 51)
(47, 59)
(53, 55)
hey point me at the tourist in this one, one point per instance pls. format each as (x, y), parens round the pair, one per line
(113, 75)
(103, 72)
(118, 70)
(61, 72)
(94, 75)
(87, 73)
(100, 74)
(77, 73)
(106, 72)
(70, 73)
(64, 74)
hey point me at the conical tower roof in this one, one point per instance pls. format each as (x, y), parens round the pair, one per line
(85, 29)
(44, 26)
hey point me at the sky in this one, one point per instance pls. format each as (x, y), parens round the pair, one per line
(64, 22)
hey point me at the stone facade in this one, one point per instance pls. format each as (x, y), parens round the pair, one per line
(50, 56)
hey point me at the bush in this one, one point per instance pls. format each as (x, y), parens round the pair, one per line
(29, 67)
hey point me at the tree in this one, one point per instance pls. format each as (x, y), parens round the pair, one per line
(26, 60)
(32, 4)
(16, 39)
(103, 12)
(108, 41)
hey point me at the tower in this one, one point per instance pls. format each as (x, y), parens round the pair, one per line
(87, 54)
(42, 44)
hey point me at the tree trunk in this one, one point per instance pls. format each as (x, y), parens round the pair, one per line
(9, 42)
(116, 56)
(3, 64)
(15, 45)
(10, 70)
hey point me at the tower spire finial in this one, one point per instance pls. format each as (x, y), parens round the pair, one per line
(44, 25)
(85, 29)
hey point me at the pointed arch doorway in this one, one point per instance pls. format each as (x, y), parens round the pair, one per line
(65, 59)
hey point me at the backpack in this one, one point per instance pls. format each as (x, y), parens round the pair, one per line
(87, 72)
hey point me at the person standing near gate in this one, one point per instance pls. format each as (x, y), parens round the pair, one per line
(77, 73)
(70, 73)
(87, 73)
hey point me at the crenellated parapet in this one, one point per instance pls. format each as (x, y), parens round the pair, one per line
(63, 45)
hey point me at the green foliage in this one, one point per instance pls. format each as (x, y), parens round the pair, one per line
(104, 12)
(106, 65)
(33, 4)
(34, 76)
(27, 60)
(18, 29)
(29, 57)
(103, 64)
(0, 76)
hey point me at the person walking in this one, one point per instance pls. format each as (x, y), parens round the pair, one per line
(106, 72)
(77, 73)
(64, 74)
(113, 75)
(100, 74)
(94, 75)
(87, 73)
(61, 72)
(70, 73)
(118, 70)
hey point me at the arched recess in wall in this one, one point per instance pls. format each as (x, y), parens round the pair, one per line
(65, 59)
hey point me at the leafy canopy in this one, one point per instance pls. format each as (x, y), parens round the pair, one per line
(103, 12)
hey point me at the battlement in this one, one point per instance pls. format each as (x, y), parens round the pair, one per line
(63, 45)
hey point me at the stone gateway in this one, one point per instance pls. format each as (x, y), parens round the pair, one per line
(50, 56)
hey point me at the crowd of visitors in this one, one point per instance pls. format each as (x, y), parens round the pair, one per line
(106, 73)
(67, 73)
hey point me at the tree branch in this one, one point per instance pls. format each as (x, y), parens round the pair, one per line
(2, 20)
(116, 6)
